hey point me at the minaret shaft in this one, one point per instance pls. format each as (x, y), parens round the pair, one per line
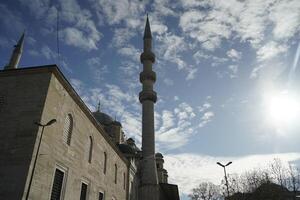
(149, 181)
(16, 55)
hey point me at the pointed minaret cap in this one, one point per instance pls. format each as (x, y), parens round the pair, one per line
(16, 55)
(21, 41)
(147, 33)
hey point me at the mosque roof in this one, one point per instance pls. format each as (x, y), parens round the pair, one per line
(158, 155)
(127, 149)
(103, 118)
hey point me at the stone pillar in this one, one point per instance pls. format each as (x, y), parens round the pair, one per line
(149, 182)
(161, 172)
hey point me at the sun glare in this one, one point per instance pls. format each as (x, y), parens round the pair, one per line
(283, 108)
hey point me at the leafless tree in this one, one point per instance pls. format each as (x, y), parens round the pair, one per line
(279, 172)
(293, 178)
(248, 181)
(205, 191)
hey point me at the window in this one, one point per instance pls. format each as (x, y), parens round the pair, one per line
(104, 162)
(57, 187)
(68, 128)
(124, 181)
(83, 193)
(101, 196)
(2, 103)
(90, 149)
(116, 173)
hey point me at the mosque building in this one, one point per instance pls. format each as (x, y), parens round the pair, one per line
(53, 147)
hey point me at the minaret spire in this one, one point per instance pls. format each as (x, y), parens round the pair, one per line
(149, 189)
(98, 108)
(147, 32)
(16, 55)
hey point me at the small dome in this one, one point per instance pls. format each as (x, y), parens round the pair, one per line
(127, 149)
(117, 123)
(103, 118)
(130, 141)
(158, 155)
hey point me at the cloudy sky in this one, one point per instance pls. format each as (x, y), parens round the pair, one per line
(228, 73)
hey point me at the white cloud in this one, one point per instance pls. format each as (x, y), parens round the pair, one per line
(122, 36)
(206, 118)
(204, 168)
(93, 61)
(175, 127)
(164, 8)
(131, 52)
(158, 28)
(233, 70)
(168, 82)
(48, 53)
(234, 54)
(207, 28)
(204, 107)
(119, 11)
(270, 50)
(170, 47)
(250, 21)
(255, 71)
(199, 56)
(80, 30)
(286, 18)
(191, 73)
(76, 37)
(98, 70)
(37, 7)
(31, 40)
(78, 85)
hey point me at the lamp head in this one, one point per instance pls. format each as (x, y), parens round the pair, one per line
(52, 121)
(220, 164)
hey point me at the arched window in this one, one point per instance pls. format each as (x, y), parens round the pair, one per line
(104, 162)
(116, 173)
(124, 181)
(90, 149)
(68, 128)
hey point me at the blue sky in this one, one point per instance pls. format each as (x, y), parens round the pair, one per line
(227, 73)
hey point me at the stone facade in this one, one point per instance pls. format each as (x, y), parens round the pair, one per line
(22, 104)
(53, 147)
(55, 102)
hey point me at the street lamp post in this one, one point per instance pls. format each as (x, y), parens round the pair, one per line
(226, 181)
(52, 121)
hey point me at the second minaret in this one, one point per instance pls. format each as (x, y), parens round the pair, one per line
(149, 182)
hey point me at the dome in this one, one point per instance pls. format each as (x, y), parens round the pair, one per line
(117, 123)
(103, 118)
(158, 155)
(127, 149)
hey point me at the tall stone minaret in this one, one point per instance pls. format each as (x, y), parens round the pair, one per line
(16, 55)
(149, 182)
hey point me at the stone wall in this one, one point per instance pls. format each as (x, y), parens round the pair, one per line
(73, 159)
(22, 97)
(38, 95)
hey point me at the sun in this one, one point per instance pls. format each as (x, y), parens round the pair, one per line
(283, 108)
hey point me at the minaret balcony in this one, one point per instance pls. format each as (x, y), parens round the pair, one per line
(147, 75)
(148, 55)
(147, 95)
